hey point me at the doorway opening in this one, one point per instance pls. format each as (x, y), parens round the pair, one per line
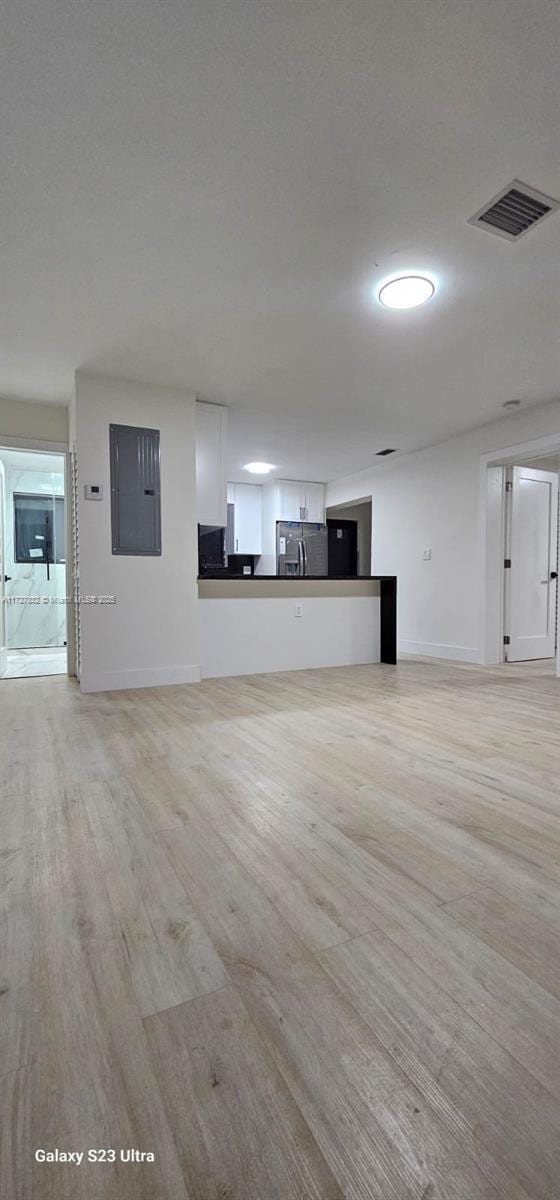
(33, 588)
(349, 528)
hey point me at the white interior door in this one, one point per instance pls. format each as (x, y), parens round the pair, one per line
(3, 636)
(532, 576)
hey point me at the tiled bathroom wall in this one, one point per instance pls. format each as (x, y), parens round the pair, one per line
(42, 623)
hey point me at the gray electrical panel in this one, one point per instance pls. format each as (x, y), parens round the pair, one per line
(135, 490)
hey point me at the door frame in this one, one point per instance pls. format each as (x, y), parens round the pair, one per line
(3, 621)
(492, 515)
(354, 503)
(40, 446)
(342, 522)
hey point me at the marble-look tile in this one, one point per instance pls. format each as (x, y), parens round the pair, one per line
(24, 663)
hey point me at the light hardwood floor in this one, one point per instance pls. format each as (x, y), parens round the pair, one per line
(298, 935)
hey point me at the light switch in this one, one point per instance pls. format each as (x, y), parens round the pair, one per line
(299, 610)
(427, 554)
(93, 491)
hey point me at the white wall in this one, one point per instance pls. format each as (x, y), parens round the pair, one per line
(246, 637)
(25, 420)
(149, 636)
(431, 499)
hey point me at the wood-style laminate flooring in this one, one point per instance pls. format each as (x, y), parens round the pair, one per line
(296, 935)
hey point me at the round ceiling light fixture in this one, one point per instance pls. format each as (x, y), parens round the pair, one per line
(258, 468)
(406, 291)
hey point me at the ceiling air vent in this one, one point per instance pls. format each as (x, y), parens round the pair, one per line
(514, 210)
(382, 453)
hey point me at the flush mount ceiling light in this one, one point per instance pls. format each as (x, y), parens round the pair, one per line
(407, 291)
(258, 468)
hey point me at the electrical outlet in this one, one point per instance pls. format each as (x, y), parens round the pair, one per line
(299, 610)
(427, 554)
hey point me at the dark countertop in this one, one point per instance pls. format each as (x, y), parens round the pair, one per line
(293, 578)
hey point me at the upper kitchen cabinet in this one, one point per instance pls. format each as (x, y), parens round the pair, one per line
(315, 502)
(299, 501)
(290, 500)
(211, 445)
(247, 517)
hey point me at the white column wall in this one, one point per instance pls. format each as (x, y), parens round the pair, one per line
(149, 637)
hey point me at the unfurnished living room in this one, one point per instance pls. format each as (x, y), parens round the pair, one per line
(279, 666)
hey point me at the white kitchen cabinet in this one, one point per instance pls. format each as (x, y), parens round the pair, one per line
(247, 517)
(290, 500)
(211, 434)
(300, 501)
(287, 500)
(315, 502)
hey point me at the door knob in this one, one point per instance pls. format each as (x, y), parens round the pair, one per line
(554, 574)
(7, 578)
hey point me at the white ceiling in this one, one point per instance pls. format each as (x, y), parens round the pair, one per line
(201, 192)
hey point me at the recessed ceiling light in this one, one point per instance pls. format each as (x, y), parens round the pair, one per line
(258, 468)
(407, 291)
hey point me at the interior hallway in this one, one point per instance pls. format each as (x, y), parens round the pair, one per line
(298, 935)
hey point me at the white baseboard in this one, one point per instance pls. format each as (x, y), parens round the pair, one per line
(113, 681)
(466, 654)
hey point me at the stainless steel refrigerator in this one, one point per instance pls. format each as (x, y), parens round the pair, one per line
(302, 548)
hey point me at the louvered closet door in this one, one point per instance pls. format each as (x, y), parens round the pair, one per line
(75, 560)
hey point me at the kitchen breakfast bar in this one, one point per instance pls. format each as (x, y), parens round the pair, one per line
(261, 623)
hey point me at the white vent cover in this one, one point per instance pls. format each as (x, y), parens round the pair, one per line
(514, 210)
